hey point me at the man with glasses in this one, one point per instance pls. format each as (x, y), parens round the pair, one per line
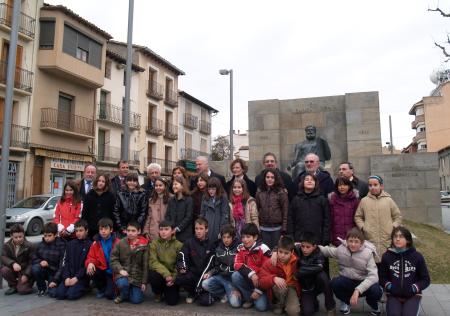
(347, 171)
(312, 166)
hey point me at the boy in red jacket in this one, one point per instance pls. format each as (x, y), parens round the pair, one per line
(98, 263)
(251, 256)
(279, 280)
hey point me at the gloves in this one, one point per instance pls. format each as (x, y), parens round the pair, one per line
(60, 228)
(70, 228)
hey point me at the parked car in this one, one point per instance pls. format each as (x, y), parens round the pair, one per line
(445, 196)
(32, 212)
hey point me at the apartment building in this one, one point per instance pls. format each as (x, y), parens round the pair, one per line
(194, 127)
(23, 88)
(70, 69)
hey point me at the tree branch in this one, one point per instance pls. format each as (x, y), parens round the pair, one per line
(444, 51)
(447, 15)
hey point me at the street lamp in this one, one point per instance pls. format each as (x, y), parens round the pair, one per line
(225, 72)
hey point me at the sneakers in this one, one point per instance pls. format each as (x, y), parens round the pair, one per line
(224, 299)
(189, 300)
(247, 305)
(344, 309)
(118, 300)
(100, 294)
(41, 293)
(376, 312)
(157, 298)
(11, 291)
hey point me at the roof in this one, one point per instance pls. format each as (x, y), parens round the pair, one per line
(412, 111)
(196, 101)
(67, 11)
(147, 51)
(120, 59)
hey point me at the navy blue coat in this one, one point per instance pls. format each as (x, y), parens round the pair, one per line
(74, 257)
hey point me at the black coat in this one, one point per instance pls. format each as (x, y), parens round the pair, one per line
(130, 206)
(361, 186)
(223, 261)
(326, 183)
(308, 268)
(213, 174)
(116, 185)
(195, 255)
(287, 181)
(74, 257)
(251, 186)
(96, 207)
(83, 192)
(309, 213)
(180, 213)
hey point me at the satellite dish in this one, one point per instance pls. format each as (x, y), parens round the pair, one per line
(434, 76)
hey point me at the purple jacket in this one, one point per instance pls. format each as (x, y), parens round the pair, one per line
(342, 211)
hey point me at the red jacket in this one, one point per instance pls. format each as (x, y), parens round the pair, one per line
(268, 272)
(250, 261)
(96, 255)
(67, 213)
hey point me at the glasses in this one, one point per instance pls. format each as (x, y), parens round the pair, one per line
(309, 161)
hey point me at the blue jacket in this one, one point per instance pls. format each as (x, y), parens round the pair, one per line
(74, 258)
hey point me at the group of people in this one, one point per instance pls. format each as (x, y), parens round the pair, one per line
(262, 243)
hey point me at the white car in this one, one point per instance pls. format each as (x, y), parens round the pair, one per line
(32, 212)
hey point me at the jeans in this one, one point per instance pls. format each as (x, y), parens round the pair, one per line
(271, 238)
(41, 275)
(104, 283)
(344, 287)
(403, 307)
(129, 291)
(73, 292)
(219, 285)
(246, 288)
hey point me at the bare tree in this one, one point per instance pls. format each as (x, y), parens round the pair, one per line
(220, 149)
(440, 46)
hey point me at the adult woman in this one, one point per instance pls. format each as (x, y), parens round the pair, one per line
(239, 169)
(178, 171)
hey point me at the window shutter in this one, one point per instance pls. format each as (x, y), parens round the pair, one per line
(95, 54)
(47, 34)
(70, 41)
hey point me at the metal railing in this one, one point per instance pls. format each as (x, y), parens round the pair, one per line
(419, 136)
(205, 127)
(23, 79)
(155, 127)
(111, 113)
(20, 135)
(190, 121)
(191, 154)
(171, 98)
(155, 90)
(27, 24)
(166, 165)
(417, 120)
(53, 118)
(171, 131)
(106, 153)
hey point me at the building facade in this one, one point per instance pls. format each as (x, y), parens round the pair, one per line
(444, 168)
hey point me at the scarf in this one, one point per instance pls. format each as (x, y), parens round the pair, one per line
(238, 208)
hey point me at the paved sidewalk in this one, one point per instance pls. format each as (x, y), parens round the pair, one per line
(436, 302)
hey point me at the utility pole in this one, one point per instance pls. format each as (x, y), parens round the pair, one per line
(391, 145)
(10, 74)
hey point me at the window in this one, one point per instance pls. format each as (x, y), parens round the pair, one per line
(423, 146)
(82, 47)
(422, 129)
(82, 54)
(47, 34)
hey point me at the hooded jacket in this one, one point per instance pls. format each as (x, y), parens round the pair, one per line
(129, 206)
(342, 209)
(74, 257)
(216, 211)
(223, 260)
(376, 216)
(273, 208)
(163, 256)
(23, 257)
(96, 254)
(249, 261)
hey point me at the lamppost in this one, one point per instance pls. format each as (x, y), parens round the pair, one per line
(226, 72)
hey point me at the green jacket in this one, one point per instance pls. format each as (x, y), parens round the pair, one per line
(163, 256)
(135, 261)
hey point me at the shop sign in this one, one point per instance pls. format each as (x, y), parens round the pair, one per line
(61, 155)
(66, 164)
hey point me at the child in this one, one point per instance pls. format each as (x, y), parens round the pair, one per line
(98, 263)
(68, 210)
(199, 191)
(404, 274)
(75, 282)
(193, 259)
(377, 215)
(279, 280)
(358, 275)
(217, 276)
(131, 205)
(129, 261)
(272, 203)
(215, 208)
(157, 207)
(46, 260)
(251, 256)
(343, 204)
(243, 207)
(179, 209)
(16, 262)
(163, 253)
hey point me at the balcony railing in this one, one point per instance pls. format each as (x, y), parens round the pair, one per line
(192, 154)
(190, 121)
(23, 79)
(205, 127)
(64, 121)
(171, 131)
(155, 90)
(166, 165)
(111, 154)
(20, 135)
(418, 119)
(155, 127)
(113, 114)
(419, 136)
(26, 25)
(171, 98)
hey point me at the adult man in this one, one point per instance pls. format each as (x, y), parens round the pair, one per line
(202, 166)
(312, 166)
(346, 170)
(153, 172)
(118, 182)
(270, 161)
(85, 185)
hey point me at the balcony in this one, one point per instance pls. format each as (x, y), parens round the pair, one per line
(26, 24)
(191, 154)
(190, 121)
(155, 127)
(171, 131)
(171, 98)
(20, 136)
(419, 136)
(23, 79)
(111, 155)
(205, 127)
(155, 90)
(418, 119)
(166, 165)
(60, 122)
(113, 114)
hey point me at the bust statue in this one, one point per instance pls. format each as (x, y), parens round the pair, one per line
(312, 144)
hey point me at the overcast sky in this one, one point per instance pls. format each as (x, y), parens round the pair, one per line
(288, 49)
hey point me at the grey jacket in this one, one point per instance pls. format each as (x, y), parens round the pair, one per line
(216, 212)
